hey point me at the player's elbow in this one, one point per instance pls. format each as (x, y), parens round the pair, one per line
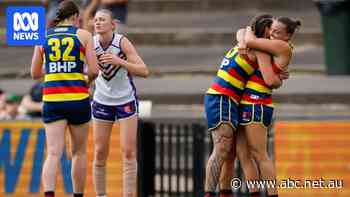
(92, 70)
(275, 85)
(92, 75)
(273, 82)
(36, 75)
(145, 72)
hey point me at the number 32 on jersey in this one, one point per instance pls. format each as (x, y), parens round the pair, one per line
(61, 62)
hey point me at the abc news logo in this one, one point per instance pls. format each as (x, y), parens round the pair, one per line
(26, 25)
(32, 18)
(29, 28)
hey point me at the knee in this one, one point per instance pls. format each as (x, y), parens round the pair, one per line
(259, 155)
(55, 155)
(244, 158)
(101, 154)
(79, 151)
(129, 153)
(223, 150)
(223, 140)
(79, 154)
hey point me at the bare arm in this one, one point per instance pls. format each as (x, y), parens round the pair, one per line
(134, 64)
(87, 15)
(270, 78)
(90, 8)
(274, 47)
(36, 69)
(90, 55)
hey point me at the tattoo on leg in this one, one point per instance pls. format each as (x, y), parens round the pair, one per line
(222, 147)
(213, 172)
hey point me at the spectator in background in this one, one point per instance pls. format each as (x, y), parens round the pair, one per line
(32, 102)
(52, 6)
(119, 8)
(11, 111)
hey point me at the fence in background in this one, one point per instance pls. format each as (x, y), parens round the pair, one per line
(172, 158)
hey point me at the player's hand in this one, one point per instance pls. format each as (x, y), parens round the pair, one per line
(109, 58)
(249, 34)
(284, 75)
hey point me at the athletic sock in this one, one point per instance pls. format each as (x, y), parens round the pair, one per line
(99, 179)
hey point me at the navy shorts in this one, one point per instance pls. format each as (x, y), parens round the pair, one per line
(220, 109)
(75, 112)
(114, 112)
(257, 113)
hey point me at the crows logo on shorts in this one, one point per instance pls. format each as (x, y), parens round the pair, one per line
(246, 115)
(128, 109)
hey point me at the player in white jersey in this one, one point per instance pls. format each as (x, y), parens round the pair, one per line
(115, 100)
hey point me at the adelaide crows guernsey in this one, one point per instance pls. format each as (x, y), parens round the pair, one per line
(64, 58)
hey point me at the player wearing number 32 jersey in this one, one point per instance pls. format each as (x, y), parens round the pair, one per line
(65, 94)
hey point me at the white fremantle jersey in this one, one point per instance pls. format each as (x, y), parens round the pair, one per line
(114, 85)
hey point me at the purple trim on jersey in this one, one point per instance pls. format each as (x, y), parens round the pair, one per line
(115, 46)
(120, 42)
(132, 84)
(110, 43)
(133, 88)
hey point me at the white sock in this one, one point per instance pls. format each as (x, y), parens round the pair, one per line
(99, 178)
(129, 177)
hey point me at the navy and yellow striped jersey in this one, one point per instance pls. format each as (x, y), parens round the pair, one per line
(257, 91)
(64, 58)
(232, 76)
